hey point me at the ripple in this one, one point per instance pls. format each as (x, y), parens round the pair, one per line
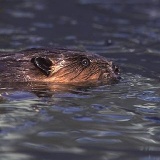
(117, 121)
(43, 25)
(89, 140)
(53, 148)
(67, 110)
(52, 134)
(20, 14)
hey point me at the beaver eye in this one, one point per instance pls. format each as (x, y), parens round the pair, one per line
(85, 62)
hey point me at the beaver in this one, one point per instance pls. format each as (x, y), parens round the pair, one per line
(57, 66)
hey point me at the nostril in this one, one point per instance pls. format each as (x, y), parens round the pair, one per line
(116, 69)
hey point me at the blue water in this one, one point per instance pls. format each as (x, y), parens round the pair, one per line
(109, 122)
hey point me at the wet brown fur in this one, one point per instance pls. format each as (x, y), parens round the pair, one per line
(55, 65)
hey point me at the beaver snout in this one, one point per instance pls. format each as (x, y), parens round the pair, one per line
(116, 69)
(116, 72)
(112, 72)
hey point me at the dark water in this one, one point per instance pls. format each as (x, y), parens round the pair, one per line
(120, 121)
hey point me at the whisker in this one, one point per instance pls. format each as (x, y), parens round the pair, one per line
(90, 74)
(78, 73)
(92, 69)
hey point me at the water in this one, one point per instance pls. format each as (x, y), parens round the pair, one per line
(108, 122)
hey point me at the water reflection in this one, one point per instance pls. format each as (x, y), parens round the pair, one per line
(65, 119)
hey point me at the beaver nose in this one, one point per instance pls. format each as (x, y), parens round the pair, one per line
(116, 71)
(111, 72)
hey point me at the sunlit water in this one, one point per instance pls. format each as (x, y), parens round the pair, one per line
(119, 121)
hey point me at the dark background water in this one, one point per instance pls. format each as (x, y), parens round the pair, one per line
(118, 121)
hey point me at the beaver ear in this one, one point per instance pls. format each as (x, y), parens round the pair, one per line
(44, 64)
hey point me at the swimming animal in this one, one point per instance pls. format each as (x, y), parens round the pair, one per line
(57, 66)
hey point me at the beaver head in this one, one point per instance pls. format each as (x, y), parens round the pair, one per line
(67, 66)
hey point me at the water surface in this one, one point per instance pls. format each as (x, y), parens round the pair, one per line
(119, 121)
